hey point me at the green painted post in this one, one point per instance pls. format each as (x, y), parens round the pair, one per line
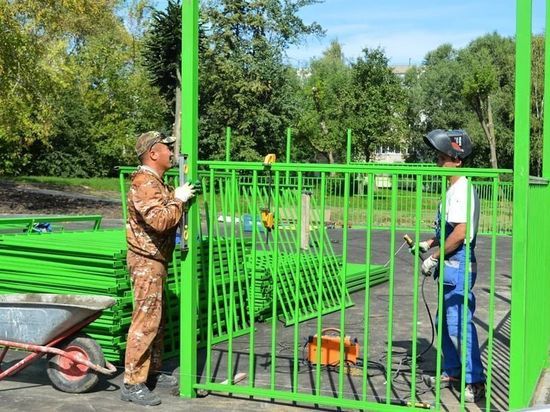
(418, 211)
(227, 144)
(490, 338)
(442, 237)
(189, 142)
(320, 274)
(123, 195)
(518, 397)
(393, 228)
(287, 158)
(348, 147)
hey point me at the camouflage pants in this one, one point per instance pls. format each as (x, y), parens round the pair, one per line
(144, 344)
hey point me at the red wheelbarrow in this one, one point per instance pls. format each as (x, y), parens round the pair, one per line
(47, 324)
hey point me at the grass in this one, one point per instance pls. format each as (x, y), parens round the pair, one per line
(96, 184)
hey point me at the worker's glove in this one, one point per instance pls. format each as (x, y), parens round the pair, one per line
(423, 247)
(429, 265)
(184, 192)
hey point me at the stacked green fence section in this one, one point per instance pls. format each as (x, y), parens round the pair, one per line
(94, 263)
(91, 263)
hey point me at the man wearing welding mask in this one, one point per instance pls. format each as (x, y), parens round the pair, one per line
(453, 147)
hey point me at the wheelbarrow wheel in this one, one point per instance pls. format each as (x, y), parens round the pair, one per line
(68, 376)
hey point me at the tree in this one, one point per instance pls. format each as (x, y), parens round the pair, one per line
(37, 36)
(378, 109)
(162, 58)
(244, 81)
(75, 92)
(487, 62)
(327, 97)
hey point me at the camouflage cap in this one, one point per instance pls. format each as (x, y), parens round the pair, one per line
(146, 140)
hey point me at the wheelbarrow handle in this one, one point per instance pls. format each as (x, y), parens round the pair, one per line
(78, 358)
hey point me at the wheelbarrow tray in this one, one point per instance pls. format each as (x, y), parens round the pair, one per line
(38, 318)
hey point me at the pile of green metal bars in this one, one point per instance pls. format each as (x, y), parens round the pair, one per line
(91, 263)
(94, 263)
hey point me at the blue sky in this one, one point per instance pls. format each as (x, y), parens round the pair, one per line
(405, 29)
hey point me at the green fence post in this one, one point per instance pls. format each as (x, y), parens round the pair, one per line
(518, 395)
(227, 144)
(348, 147)
(189, 134)
(287, 158)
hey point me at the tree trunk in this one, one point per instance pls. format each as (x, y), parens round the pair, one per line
(485, 118)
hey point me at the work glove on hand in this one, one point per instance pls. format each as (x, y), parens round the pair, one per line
(423, 247)
(184, 192)
(429, 265)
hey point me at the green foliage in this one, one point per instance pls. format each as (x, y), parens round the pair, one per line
(469, 89)
(244, 81)
(326, 98)
(74, 93)
(379, 104)
(162, 49)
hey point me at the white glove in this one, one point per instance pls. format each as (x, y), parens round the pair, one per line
(429, 265)
(423, 247)
(184, 192)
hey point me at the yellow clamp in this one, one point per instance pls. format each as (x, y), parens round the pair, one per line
(269, 159)
(268, 220)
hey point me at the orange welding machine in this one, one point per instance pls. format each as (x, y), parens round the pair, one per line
(330, 348)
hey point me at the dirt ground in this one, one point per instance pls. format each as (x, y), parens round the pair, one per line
(24, 199)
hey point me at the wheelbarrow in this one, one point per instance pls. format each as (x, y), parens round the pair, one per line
(47, 324)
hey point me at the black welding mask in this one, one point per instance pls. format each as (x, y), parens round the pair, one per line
(454, 143)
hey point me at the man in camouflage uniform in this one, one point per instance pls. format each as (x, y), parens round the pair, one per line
(154, 210)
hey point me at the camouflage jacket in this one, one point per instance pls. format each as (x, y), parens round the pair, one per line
(153, 215)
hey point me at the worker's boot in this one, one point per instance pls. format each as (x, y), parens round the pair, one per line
(162, 380)
(445, 382)
(474, 392)
(139, 394)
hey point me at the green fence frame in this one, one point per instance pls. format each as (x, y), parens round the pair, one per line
(529, 346)
(530, 329)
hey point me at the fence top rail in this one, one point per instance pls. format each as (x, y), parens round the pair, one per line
(389, 169)
(356, 168)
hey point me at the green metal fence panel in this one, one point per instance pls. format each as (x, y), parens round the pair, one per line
(406, 185)
(292, 280)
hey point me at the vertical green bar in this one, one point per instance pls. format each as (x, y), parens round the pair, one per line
(393, 227)
(440, 292)
(415, 287)
(287, 158)
(297, 282)
(227, 144)
(518, 396)
(368, 246)
(320, 275)
(252, 305)
(232, 263)
(492, 293)
(466, 290)
(343, 276)
(123, 195)
(348, 147)
(274, 274)
(546, 109)
(209, 277)
(189, 139)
